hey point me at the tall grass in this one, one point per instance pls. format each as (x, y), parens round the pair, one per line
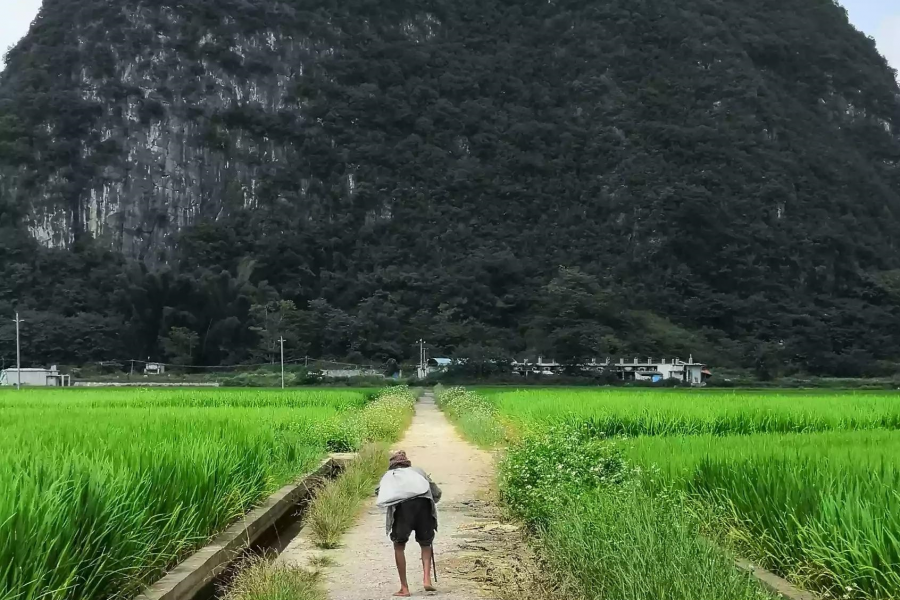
(336, 505)
(476, 418)
(598, 526)
(99, 495)
(266, 579)
(632, 546)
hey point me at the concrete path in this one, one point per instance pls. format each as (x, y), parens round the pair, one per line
(363, 567)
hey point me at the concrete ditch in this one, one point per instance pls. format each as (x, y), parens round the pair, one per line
(781, 587)
(267, 528)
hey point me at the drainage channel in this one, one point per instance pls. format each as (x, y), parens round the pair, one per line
(266, 529)
(275, 539)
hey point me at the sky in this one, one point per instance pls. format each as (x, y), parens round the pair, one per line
(877, 18)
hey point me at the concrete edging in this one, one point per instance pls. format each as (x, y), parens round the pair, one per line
(774, 583)
(197, 571)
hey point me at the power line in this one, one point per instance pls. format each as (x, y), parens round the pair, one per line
(303, 359)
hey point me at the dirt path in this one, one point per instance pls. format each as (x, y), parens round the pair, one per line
(363, 567)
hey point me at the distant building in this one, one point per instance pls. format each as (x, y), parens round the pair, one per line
(35, 377)
(439, 364)
(435, 365)
(154, 369)
(691, 372)
(348, 373)
(541, 367)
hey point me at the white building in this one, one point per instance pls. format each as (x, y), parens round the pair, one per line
(657, 370)
(35, 377)
(541, 367)
(154, 369)
(636, 369)
(439, 365)
(348, 373)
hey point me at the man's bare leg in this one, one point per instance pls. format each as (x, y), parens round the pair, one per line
(400, 559)
(426, 565)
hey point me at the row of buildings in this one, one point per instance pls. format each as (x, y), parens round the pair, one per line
(628, 370)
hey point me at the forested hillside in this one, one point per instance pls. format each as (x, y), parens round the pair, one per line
(190, 180)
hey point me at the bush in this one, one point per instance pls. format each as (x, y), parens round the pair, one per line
(560, 465)
(386, 417)
(382, 419)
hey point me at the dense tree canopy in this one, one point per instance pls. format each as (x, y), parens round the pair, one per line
(502, 177)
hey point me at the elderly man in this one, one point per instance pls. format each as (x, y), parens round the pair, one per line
(410, 496)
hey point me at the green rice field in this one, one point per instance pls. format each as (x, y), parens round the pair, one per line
(680, 412)
(804, 483)
(102, 490)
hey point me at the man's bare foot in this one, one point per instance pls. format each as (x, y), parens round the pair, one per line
(429, 587)
(404, 592)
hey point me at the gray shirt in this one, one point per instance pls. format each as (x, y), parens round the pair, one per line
(433, 494)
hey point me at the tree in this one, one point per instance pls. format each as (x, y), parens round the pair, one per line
(391, 368)
(427, 181)
(273, 321)
(180, 345)
(575, 317)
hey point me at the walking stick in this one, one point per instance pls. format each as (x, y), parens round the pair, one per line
(433, 564)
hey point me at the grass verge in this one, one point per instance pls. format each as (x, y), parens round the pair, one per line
(632, 546)
(597, 525)
(265, 579)
(335, 506)
(474, 416)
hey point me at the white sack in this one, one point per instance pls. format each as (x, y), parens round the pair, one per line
(398, 485)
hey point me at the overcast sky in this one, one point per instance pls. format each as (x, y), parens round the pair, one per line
(877, 18)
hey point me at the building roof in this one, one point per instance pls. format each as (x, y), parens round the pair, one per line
(441, 362)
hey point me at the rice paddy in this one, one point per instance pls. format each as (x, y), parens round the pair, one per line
(804, 483)
(678, 412)
(101, 491)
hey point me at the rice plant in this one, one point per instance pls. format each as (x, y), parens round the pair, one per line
(680, 412)
(805, 483)
(823, 508)
(101, 492)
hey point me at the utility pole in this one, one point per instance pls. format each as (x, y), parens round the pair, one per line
(422, 373)
(18, 353)
(281, 340)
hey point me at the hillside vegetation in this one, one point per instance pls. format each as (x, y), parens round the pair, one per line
(190, 180)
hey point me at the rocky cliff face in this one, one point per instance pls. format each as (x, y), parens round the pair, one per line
(129, 121)
(154, 152)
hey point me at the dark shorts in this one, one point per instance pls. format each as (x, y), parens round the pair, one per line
(413, 515)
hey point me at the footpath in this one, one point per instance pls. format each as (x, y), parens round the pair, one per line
(363, 567)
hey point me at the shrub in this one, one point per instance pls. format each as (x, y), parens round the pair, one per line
(560, 465)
